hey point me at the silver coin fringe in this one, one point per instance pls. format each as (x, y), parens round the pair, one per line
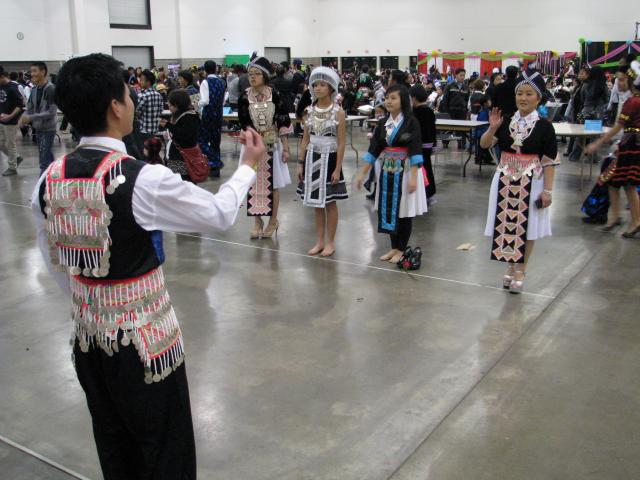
(141, 309)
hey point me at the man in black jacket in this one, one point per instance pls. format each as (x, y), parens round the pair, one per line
(455, 100)
(504, 96)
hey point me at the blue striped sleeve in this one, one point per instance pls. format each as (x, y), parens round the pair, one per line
(370, 158)
(416, 160)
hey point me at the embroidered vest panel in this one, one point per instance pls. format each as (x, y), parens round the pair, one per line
(87, 200)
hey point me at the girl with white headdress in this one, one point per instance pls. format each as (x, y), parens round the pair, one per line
(320, 171)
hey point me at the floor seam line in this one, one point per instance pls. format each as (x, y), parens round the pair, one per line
(344, 262)
(42, 458)
(498, 360)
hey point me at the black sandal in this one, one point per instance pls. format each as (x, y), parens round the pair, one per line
(416, 259)
(405, 262)
(632, 233)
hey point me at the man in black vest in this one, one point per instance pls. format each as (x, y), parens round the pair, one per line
(100, 216)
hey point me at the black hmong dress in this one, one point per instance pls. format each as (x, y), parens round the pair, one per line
(394, 149)
(321, 158)
(527, 146)
(270, 118)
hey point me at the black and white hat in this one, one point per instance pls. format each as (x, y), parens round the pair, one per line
(261, 63)
(534, 79)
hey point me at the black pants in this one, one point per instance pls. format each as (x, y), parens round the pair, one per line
(142, 431)
(426, 157)
(400, 240)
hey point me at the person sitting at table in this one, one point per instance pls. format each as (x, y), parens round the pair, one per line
(182, 130)
(520, 198)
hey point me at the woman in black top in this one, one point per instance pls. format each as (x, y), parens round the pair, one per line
(427, 119)
(182, 130)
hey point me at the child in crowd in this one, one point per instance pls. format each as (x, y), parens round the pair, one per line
(152, 149)
(483, 157)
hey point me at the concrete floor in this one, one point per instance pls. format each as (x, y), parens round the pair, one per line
(306, 368)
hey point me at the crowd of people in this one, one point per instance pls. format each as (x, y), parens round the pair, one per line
(108, 241)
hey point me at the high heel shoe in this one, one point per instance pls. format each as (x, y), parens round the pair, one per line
(508, 277)
(256, 233)
(405, 260)
(611, 226)
(516, 285)
(271, 230)
(632, 233)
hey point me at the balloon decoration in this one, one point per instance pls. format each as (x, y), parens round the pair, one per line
(581, 40)
(492, 56)
(589, 42)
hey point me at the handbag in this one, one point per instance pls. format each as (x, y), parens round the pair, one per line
(196, 162)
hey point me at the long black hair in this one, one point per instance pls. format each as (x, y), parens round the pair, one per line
(405, 101)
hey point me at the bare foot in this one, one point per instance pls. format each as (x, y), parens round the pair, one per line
(396, 258)
(317, 248)
(329, 250)
(387, 256)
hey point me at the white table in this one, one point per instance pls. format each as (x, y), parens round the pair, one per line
(578, 132)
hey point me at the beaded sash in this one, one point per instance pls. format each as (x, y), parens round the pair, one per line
(515, 165)
(140, 308)
(390, 188)
(78, 216)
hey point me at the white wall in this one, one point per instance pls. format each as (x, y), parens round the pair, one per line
(404, 26)
(45, 25)
(214, 28)
(217, 28)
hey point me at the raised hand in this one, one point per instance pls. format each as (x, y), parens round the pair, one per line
(495, 118)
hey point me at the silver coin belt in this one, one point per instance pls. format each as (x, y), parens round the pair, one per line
(136, 311)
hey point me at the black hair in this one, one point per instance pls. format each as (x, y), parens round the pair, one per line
(149, 76)
(13, 76)
(41, 66)
(626, 69)
(630, 57)
(399, 77)
(365, 68)
(210, 67)
(405, 101)
(512, 72)
(285, 65)
(484, 99)
(187, 75)
(181, 100)
(86, 87)
(419, 93)
(460, 70)
(3, 72)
